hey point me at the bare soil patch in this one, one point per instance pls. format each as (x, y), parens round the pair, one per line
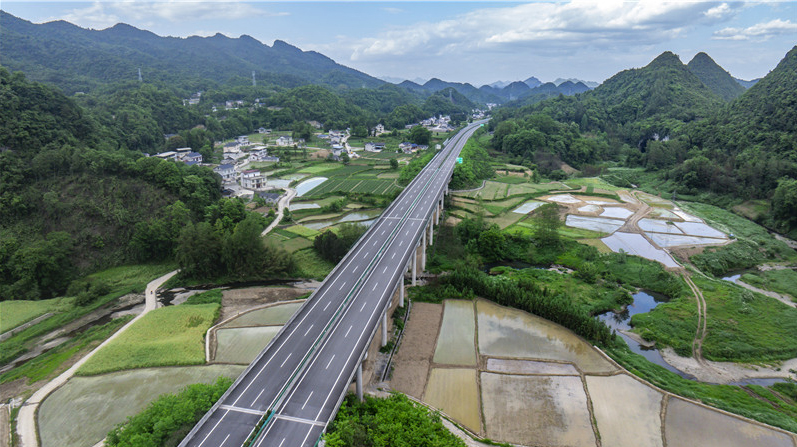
(236, 301)
(414, 357)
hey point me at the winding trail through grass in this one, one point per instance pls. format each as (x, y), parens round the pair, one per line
(702, 316)
(26, 423)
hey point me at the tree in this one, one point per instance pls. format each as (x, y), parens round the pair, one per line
(547, 221)
(344, 157)
(394, 164)
(420, 135)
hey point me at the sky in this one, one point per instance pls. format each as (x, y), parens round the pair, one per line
(476, 42)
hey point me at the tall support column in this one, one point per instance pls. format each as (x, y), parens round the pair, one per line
(423, 252)
(436, 214)
(431, 233)
(384, 329)
(360, 382)
(414, 264)
(401, 291)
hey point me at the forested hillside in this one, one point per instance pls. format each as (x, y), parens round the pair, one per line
(715, 77)
(71, 193)
(77, 59)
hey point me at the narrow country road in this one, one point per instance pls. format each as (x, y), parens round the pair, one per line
(26, 422)
(281, 205)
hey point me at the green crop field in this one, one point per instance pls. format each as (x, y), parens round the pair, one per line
(303, 231)
(15, 313)
(167, 336)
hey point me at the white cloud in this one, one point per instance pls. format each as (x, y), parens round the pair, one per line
(547, 27)
(104, 14)
(758, 32)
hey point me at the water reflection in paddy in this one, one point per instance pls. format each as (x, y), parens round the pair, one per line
(505, 332)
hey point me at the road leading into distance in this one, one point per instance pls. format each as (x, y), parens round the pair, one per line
(296, 384)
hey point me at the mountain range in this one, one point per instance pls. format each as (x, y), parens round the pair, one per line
(79, 60)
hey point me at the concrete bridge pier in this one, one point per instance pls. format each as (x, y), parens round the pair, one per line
(359, 385)
(431, 232)
(423, 251)
(414, 264)
(401, 291)
(384, 328)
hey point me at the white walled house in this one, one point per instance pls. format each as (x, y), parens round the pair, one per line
(253, 179)
(226, 171)
(285, 141)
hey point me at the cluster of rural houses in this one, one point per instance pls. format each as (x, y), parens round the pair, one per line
(434, 124)
(182, 154)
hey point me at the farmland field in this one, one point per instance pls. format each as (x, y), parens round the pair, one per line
(164, 337)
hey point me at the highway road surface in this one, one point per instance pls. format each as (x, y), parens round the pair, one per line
(294, 387)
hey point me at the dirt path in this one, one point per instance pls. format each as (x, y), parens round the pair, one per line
(281, 205)
(700, 333)
(26, 421)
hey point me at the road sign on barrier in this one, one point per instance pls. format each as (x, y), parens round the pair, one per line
(459, 160)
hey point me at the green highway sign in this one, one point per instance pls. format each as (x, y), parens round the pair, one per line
(459, 160)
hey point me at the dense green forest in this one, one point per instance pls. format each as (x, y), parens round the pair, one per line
(674, 121)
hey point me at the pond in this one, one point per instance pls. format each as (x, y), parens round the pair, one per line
(361, 217)
(307, 185)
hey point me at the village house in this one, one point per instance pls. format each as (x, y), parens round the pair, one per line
(263, 130)
(271, 198)
(285, 140)
(226, 171)
(374, 147)
(169, 155)
(243, 140)
(262, 155)
(379, 129)
(191, 157)
(253, 179)
(315, 124)
(230, 147)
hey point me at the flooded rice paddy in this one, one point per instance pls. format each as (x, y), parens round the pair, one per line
(242, 344)
(361, 217)
(673, 240)
(690, 424)
(537, 383)
(636, 244)
(620, 402)
(456, 342)
(505, 332)
(303, 206)
(536, 410)
(274, 315)
(616, 212)
(528, 207)
(659, 226)
(454, 391)
(305, 186)
(81, 412)
(599, 224)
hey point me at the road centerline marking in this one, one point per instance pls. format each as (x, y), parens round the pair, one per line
(286, 359)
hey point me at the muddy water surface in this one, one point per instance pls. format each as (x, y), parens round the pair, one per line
(242, 345)
(505, 332)
(456, 342)
(454, 391)
(274, 315)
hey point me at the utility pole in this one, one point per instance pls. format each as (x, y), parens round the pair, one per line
(254, 81)
(139, 76)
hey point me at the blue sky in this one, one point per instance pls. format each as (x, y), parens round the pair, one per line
(474, 42)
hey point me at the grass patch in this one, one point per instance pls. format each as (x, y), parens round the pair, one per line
(781, 281)
(211, 296)
(135, 277)
(164, 337)
(311, 265)
(18, 312)
(742, 325)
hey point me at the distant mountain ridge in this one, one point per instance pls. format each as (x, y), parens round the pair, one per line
(78, 59)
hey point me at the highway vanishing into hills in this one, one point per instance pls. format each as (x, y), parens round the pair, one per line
(293, 389)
